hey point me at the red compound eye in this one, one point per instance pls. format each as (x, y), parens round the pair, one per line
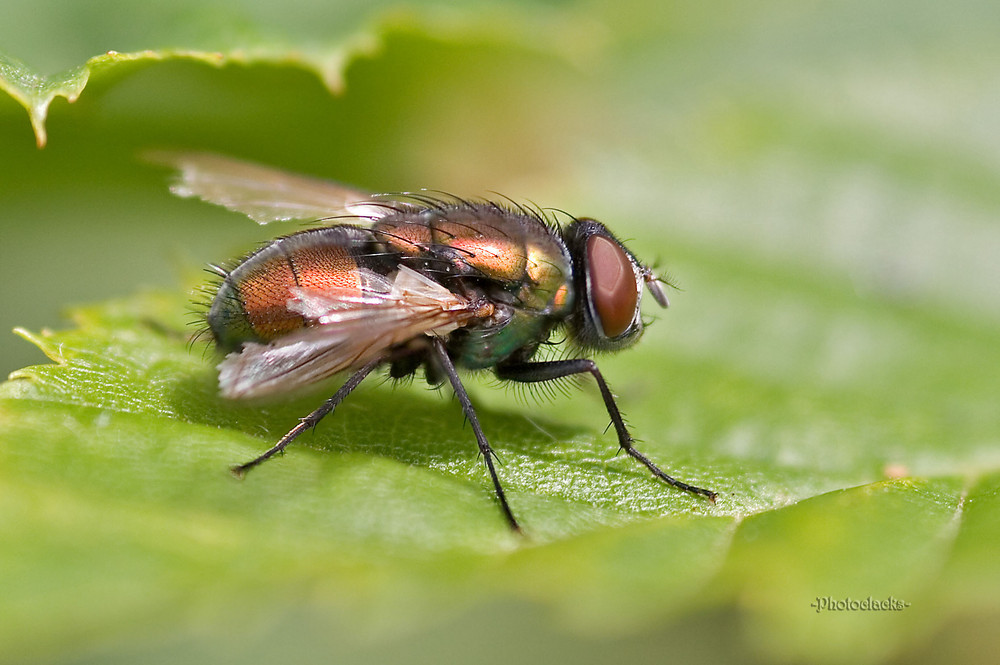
(613, 290)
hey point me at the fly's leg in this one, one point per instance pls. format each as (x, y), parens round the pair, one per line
(470, 413)
(533, 372)
(309, 421)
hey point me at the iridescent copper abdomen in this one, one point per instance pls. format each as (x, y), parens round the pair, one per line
(252, 302)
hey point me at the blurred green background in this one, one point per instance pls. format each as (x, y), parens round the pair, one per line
(820, 179)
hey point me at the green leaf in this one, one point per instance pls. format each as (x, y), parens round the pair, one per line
(36, 92)
(820, 182)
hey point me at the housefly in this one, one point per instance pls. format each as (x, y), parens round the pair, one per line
(411, 281)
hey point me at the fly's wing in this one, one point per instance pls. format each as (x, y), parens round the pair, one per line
(351, 328)
(260, 192)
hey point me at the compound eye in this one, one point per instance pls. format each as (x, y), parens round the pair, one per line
(611, 279)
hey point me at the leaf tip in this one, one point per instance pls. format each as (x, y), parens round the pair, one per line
(38, 125)
(29, 336)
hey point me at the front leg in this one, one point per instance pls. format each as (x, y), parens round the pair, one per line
(534, 372)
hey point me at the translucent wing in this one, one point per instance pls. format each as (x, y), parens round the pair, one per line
(351, 328)
(260, 192)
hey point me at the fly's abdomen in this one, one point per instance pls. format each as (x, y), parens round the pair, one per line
(252, 302)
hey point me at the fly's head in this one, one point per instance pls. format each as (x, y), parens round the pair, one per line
(608, 280)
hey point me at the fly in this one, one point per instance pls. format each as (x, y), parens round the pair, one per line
(411, 281)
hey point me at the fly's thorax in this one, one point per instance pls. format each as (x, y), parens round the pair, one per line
(483, 241)
(608, 280)
(511, 332)
(252, 301)
(473, 240)
(549, 285)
